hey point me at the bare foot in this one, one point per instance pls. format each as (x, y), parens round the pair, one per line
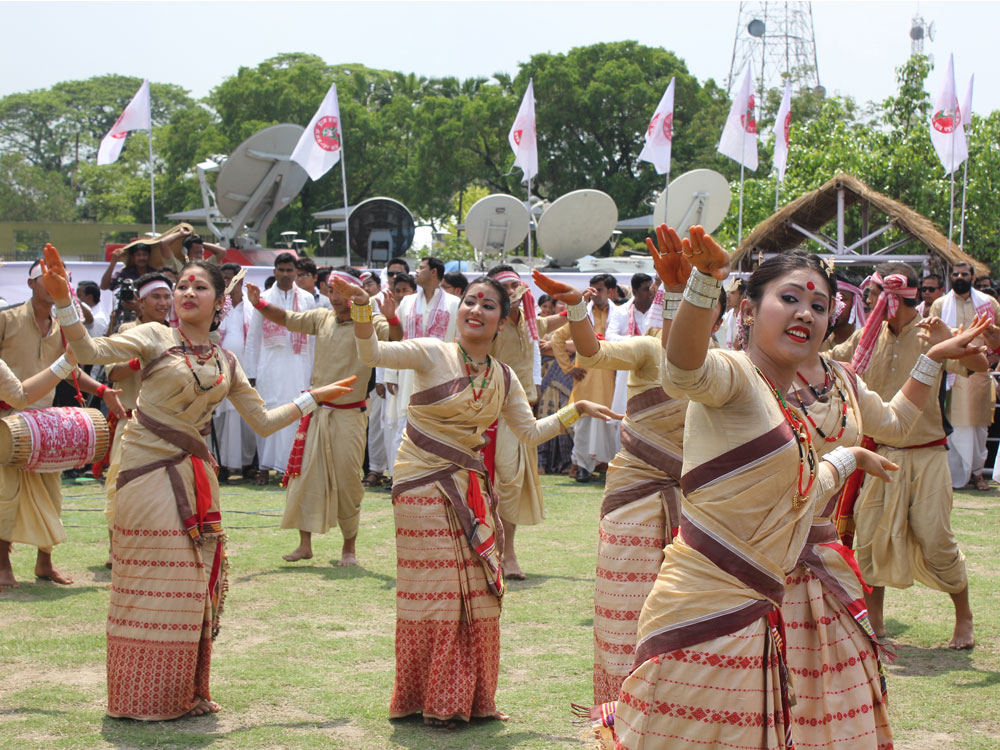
(439, 723)
(299, 553)
(7, 580)
(513, 572)
(963, 637)
(501, 715)
(204, 707)
(348, 558)
(49, 573)
(108, 564)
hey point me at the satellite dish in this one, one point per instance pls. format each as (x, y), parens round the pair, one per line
(756, 28)
(258, 180)
(380, 229)
(701, 196)
(576, 224)
(930, 31)
(496, 224)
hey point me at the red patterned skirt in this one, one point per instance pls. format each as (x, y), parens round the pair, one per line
(834, 671)
(723, 693)
(447, 619)
(160, 617)
(629, 554)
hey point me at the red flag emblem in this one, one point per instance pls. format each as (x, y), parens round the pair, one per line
(946, 120)
(747, 120)
(327, 134)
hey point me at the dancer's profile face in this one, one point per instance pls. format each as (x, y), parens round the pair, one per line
(479, 312)
(790, 320)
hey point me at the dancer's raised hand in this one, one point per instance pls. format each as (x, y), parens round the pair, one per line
(348, 291)
(705, 254)
(557, 289)
(54, 276)
(672, 266)
(948, 346)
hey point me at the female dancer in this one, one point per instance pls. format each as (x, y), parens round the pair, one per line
(640, 513)
(448, 537)
(832, 648)
(708, 667)
(168, 582)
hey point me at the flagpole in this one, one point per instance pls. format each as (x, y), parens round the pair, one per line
(347, 223)
(666, 195)
(530, 218)
(951, 204)
(152, 194)
(965, 185)
(777, 192)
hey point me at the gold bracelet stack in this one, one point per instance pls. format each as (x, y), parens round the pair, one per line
(702, 290)
(568, 415)
(361, 313)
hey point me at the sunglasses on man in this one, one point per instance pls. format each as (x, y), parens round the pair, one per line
(926, 289)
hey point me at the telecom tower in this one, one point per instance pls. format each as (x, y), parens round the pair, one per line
(919, 28)
(778, 40)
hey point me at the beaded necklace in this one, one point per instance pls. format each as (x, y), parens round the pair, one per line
(469, 361)
(843, 407)
(200, 360)
(803, 441)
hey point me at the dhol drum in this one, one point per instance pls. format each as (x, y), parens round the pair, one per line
(53, 439)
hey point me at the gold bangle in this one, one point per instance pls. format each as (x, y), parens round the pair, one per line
(568, 415)
(361, 313)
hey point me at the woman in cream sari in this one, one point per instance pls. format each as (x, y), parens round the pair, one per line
(709, 669)
(169, 581)
(449, 579)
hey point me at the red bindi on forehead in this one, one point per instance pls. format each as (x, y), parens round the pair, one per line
(810, 286)
(191, 277)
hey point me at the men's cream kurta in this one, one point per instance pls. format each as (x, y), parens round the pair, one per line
(30, 503)
(971, 399)
(518, 488)
(329, 489)
(904, 526)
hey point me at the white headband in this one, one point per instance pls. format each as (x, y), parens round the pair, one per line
(35, 272)
(347, 277)
(152, 286)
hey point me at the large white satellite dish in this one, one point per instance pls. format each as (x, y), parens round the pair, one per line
(701, 196)
(496, 224)
(576, 224)
(258, 180)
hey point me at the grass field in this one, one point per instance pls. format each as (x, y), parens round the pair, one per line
(305, 656)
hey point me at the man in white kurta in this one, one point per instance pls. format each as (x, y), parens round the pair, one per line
(279, 362)
(431, 312)
(971, 400)
(236, 441)
(632, 319)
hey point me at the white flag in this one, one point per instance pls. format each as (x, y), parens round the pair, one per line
(967, 104)
(782, 123)
(135, 117)
(321, 142)
(522, 135)
(947, 133)
(739, 137)
(660, 133)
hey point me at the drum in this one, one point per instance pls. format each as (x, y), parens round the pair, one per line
(53, 439)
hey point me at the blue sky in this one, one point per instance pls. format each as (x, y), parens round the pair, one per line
(198, 44)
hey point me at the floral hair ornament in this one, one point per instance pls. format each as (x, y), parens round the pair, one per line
(828, 265)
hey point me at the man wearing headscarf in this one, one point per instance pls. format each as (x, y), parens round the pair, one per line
(904, 527)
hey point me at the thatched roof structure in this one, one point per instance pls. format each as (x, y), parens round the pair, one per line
(815, 209)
